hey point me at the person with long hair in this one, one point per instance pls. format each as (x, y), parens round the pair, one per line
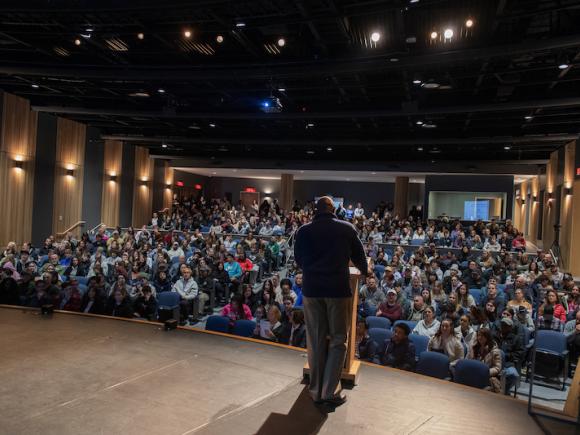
(464, 299)
(445, 341)
(558, 309)
(429, 326)
(485, 349)
(237, 310)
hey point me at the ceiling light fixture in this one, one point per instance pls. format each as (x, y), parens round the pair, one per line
(419, 148)
(563, 66)
(161, 90)
(281, 89)
(219, 39)
(434, 35)
(413, 1)
(310, 152)
(394, 59)
(240, 24)
(281, 42)
(212, 125)
(309, 125)
(448, 34)
(187, 33)
(141, 36)
(163, 145)
(329, 149)
(507, 147)
(35, 86)
(78, 42)
(429, 125)
(417, 82)
(419, 122)
(528, 117)
(469, 23)
(375, 37)
(430, 85)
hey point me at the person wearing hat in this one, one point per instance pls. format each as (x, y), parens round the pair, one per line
(324, 249)
(399, 350)
(390, 308)
(525, 318)
(513, 349)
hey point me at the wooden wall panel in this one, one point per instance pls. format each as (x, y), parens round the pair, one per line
(168, 191)
(549, 206)
(112, 166)
(401, 196)
(568, 205)
(286, 191)
(68, 189)
(17, 143)
(143, 190)
(518, 207)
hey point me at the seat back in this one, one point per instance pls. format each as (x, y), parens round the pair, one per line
(379, 271)
(244, 328)
(168, 300)
(433, 364)
(218, 324)
(477, 295)
(378, 322)
(420, 342)
(417, 242)
(551, 341)
(472, 373)
(379, 335)
(411, 324)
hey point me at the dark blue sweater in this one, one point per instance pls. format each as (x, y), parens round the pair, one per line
(323, 250)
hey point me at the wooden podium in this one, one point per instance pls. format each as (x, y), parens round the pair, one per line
(351, 365)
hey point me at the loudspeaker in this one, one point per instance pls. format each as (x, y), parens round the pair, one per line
(170, 324)
(47, 309)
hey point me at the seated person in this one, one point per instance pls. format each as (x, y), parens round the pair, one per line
(547, 320)
(119, 305)
(237, 310)
(145, 305)
(513, 349)
(40, 296)
(399, 350)
(429, 326)
(188, 291)
(93, 301)
(285, 290)
(465, 331)
(371, 296)
(417, 309)
(519, 301)
(297, 330)
(445, 341)
(365, 346)
(485, 349)
(572, 333)
(277, 332)
(390, 308)
(558, 309)
(70, 296)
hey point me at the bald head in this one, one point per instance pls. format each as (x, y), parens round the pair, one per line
(325, 205)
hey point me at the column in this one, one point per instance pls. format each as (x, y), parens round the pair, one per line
(143, 190)
(570, 212)
(111, 193)
(68, 176)
(17, 159)
(286, 191)
(401, 196)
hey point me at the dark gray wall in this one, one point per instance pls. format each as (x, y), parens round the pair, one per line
(218, 187)
(43, 178)
(369, 194)
(472, 183)
(158, 184)
(127, 180)
(93, 178)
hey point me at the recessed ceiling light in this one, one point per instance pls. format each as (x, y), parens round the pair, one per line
(469, 23)
(212, 125)
(448, 34)
(281, 89)
(310, 152)
(417, 82)
(219, 39)
(329, 149)
(419, 148)
(35, 86)
(528, 117)
(194, 127)
(139, 94)
(281, 42)
(78, 41)
(374, 173)
(213, 173)
(375, 36)
(394, 59)
(309, 125)
(507, 147)
(419, 122)
(140, 35)
(161, 90)
(430, 85)
(429, 125)
(163, 145)
(240, 24)
(563, 66)
(187, 33)
(413, 1)
(434, 35)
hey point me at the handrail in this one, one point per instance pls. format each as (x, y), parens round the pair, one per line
(75, 226)
(92, 231)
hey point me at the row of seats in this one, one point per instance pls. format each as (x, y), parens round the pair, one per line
(242, 328)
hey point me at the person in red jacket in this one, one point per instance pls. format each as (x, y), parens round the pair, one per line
(70, 297)
(245, 263)
(552, 300)
(519, 243)
(390, 308)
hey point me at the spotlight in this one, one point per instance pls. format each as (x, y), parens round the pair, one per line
(18, 164)
(507, 147)
(140, 36)
(70, 172)
(417, 82)
(329, 149)
(563, 66)
(78, 42)
(281, 42)
(240, 24)
(528, 117)
(434, 35)
(281, 89)
(271, 105)
(448, 34)
(219, 39)
(419, 122)
(419, 148)
(187, 33)
(161, 90)
(469, 23)
(163, 145)
(212, 125)
(375, 37)
(35, 86)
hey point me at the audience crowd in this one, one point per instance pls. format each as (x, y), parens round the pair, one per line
(472, 290)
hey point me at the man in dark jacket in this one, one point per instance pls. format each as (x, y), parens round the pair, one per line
(399, 351)
(513, 349)
(324, 249)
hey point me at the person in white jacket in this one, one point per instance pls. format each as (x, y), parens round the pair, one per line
(429, 326)
(188, 291)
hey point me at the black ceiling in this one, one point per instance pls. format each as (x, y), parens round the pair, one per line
(342, 94)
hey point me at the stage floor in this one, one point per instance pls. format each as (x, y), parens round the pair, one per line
(73, 374)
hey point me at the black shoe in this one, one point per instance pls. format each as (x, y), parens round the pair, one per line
(337, 400)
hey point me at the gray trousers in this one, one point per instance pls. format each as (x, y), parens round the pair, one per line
(327, 323)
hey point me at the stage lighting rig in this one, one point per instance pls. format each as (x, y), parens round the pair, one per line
(271, 105)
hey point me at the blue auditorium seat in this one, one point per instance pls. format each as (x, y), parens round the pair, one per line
(472, 373)
(433, 364)
(218, 324)
(378, 322)
(244, 328)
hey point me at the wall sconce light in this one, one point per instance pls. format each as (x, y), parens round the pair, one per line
(535, 198)
(168, 186)
(70, 172)
(567, 191)
(523, 202)
(112, 178)
(18, 164)
(550, 196)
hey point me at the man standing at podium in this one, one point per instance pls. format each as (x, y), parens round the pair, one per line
(323, 250)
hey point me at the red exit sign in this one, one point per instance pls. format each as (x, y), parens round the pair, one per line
(250, 189)
(179, 184)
